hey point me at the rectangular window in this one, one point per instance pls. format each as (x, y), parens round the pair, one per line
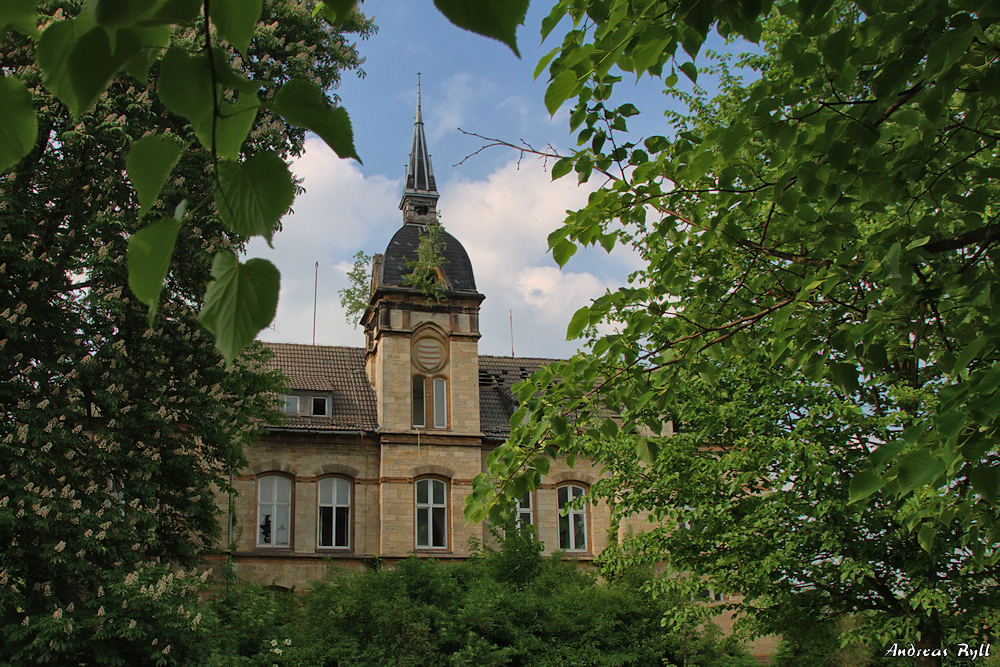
(291, 405)
(524, 510)
(432, 514)
(319, 406)
(419, 418)
(334, 512)
(440, 403)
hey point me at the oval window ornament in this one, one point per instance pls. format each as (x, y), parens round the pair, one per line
(429, 354)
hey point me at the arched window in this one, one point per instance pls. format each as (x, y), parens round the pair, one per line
(432, 514)
(274, 511)
(334, 500)
(572, 520)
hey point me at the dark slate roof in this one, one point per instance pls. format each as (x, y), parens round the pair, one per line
(403, 248)
(496, 401)
(339, 371)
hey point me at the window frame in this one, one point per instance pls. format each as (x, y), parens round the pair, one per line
(312, 406)
(421, 381)
(521, 511)
(569, 518)
(274, 504)
(440, 407)
(335, 504)
(432, 517)
(289, 400)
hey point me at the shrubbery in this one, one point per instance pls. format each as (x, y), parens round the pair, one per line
(508, 606)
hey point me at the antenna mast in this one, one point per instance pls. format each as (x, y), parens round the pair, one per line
(315, 291)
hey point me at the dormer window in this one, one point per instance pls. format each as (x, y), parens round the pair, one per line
(290, 404)
(319, 404)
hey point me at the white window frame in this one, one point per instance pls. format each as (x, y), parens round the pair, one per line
(525, 515)
(274, 505)
(419, 416)
(572, 520)
(434, 512)
(338, 502)
(312, 406)
(291, 404)
(440, 403)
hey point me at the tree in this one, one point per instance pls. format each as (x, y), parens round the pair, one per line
(200, 78)
(117, 432)
(838, 212)
(751, 497)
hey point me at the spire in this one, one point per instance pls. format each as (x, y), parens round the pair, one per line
(420, 191)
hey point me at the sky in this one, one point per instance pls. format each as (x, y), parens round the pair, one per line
(500, 204)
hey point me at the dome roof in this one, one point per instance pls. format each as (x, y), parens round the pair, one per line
(402, 249)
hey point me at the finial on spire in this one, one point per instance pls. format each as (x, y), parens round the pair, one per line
(419, 190)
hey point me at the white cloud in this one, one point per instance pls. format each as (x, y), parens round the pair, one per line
(503, 222)
(340, 213)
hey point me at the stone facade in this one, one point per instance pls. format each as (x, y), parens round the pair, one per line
(380, 444)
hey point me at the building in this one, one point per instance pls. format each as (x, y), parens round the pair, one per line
(381, 443)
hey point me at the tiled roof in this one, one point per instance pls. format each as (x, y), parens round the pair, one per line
(341, 371)
(496, 401)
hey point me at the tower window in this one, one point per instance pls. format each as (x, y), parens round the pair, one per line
(419, 404)
(440, 403)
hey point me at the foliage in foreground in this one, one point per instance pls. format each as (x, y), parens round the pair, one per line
(115, 434)
(424, 612)
(837, 217)
(763, 510)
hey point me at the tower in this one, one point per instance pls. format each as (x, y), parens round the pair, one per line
(422, 358)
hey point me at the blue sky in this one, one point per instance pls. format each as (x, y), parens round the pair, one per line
(500, 207)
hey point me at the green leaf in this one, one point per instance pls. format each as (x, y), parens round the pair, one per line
(78, 60)
(949, 424)
(254, 194)
(240, 301)
(561, 89)
(690, 70)
(148, 164)
(863, 484)
(154, 41)
(562, 251)
(19, 128)
(235, 21)
(497, 19)
(231, 127)
(175, 12)
(647, 450)
(562, 167)
(926, 536)
(120, 13)
(918, 468)
(149, 253)
(185, 85)
(579, 322)
(336, 11)
(19, 14)
(305, 105)
(986, 481)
